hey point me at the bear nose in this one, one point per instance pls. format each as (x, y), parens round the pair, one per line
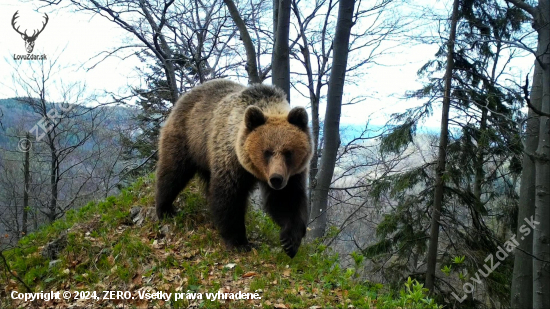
(276, 181)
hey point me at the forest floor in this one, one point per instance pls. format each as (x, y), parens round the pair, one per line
(116, 254)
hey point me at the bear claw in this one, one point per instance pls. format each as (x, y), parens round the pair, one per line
(290, 246)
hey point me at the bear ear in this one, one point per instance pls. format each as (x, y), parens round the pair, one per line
(253, 117)
(298, 117)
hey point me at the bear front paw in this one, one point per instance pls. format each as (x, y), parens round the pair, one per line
(240, 247)
(165, 212)
(290, 241)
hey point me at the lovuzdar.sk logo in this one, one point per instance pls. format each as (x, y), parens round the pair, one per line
(28, 38)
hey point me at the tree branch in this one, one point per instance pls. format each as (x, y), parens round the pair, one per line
(524, 6)
(251, 66)
(528, 100)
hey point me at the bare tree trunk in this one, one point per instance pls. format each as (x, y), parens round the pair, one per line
(522, 280)
(441, 159)
(275, 18)
(280, 62)
(313, 100)
(541, 233)
(535, 199)
(480, 156)
(26, 186)
(162, 50)
(251, 66)
(479, 173)
(52, 213)
(313, 165)
(35, 218)
(331, 129)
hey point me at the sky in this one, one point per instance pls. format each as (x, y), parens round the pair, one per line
(72, 38)
(75, 37)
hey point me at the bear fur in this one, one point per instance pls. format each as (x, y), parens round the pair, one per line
(234, 137)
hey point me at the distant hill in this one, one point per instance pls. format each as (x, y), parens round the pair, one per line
(17, 117)
(12, 111)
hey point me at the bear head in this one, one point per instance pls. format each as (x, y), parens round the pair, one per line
(274, 147)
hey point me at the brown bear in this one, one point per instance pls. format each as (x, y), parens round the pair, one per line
(233, 137)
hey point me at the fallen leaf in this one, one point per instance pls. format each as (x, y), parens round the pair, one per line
(190, 254)
(230, 265)
(286, 273)
(137, 280)
(249, 274)
(280, 306)
(142, 304)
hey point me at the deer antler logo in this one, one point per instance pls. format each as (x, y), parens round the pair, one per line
(29, 40)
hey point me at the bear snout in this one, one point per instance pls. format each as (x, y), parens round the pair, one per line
(276, 181)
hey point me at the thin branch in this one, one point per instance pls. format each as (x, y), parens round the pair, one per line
(13, 274)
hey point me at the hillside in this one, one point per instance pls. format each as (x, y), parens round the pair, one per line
(118, 245)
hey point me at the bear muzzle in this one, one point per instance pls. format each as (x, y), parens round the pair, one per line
(277, 181)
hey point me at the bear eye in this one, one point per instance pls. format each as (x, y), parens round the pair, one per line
(288, 155)
(268, 154)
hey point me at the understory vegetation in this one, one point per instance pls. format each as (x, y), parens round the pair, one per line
(118, 245)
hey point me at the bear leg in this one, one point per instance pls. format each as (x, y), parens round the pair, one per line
(171, 179)
(288, 208)
(228, 195)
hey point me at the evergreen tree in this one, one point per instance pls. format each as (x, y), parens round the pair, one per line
(482, 158)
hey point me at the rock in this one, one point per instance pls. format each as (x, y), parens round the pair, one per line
(165, 230)
(230, 265)
(53, 263)
(138, 215)
(51, 250)
(134, 211)
(135, 215)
